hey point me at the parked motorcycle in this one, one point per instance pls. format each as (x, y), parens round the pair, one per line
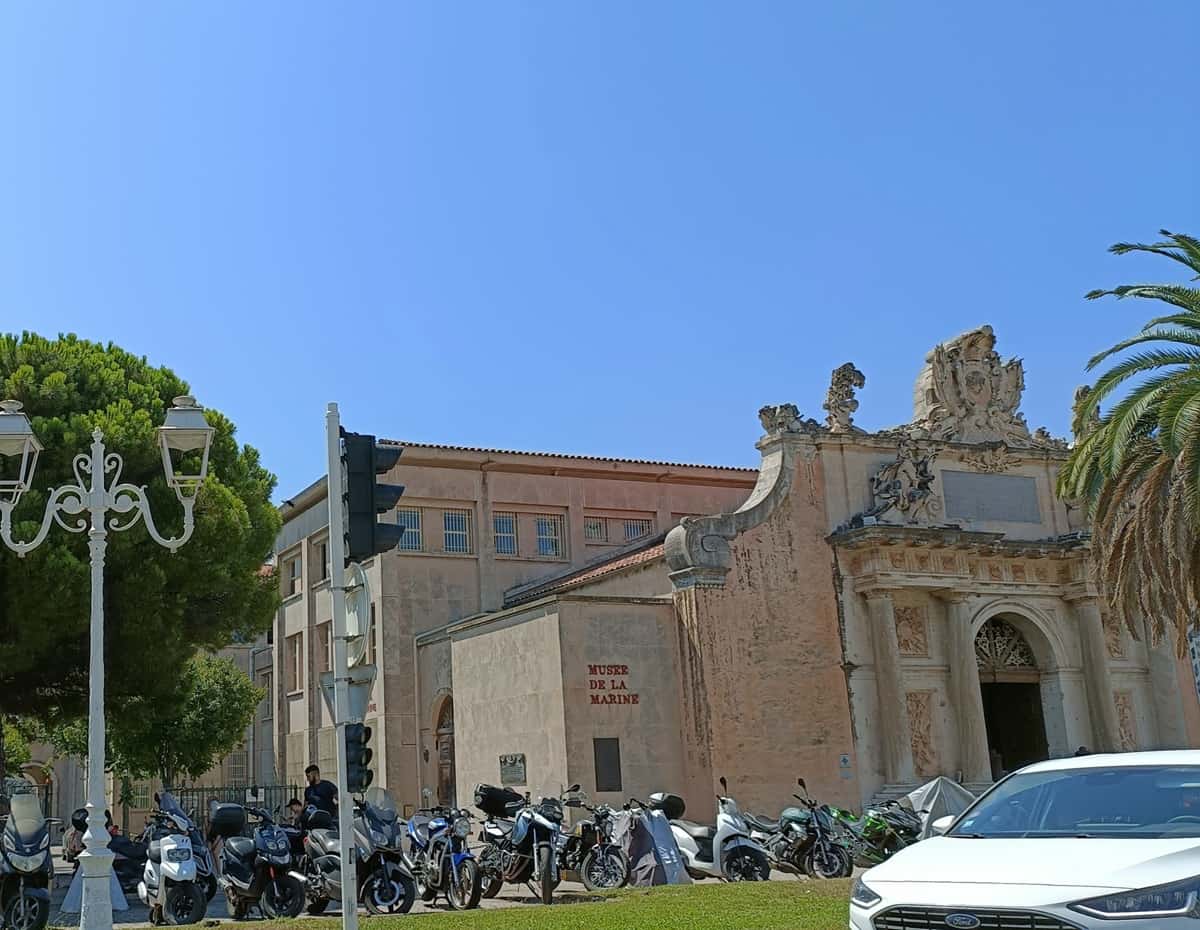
(523, 849)
(802, 839)
(169, 885)
(588, 849)
(726, 851)
(439, 859)
(256, 871)
(385, 884)
(25, 866)
(870, 838)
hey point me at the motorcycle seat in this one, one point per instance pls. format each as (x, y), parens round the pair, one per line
(240, 847)
(326, 842)
(695, 830)
(762, 823)
(154, 851)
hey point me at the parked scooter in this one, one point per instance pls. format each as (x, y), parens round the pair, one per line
(523, 849)
(25, 866)
(169, 885)
(256, 871)
(440, 860)
(802, 839)
(385, 884)
(589, 850)
(726, 851)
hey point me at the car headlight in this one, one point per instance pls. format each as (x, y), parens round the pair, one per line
(862, 895)
(462, 828)
(1179, 899)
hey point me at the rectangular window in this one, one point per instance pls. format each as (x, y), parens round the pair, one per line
(550, 535)
(139, 797)
(237, 769)
(295, 663)
(264, 709)
(608, 764)
(636, 529)
(371, 634)
(595, 529)
(322, 556)
(504, 530)
(292, 576)
(324, 646)
(456, 531)
(410, 519)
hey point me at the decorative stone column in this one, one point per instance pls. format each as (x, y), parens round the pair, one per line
(1097, 677)
(965, 692)
(895, 728)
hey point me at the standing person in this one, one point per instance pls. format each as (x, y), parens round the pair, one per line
(320, 793)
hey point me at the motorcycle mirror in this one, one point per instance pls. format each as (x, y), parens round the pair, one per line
(724, 785)
(803, 786)
(573, 788)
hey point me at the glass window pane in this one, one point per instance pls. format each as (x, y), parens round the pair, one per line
(607, 754)
(410, 519)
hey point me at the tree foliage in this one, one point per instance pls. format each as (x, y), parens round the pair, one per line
(1137, 467)
(14, 749)
(159, 608)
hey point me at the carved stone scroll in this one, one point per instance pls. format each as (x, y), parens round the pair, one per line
(840, 402)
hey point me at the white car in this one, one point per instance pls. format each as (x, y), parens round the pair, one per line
(1108, 841)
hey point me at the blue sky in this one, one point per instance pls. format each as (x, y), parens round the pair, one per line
(608, 227)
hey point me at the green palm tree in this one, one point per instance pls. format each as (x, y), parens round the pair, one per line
(1137, 467)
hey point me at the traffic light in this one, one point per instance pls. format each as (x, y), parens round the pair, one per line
(358, 758)
(362, 460)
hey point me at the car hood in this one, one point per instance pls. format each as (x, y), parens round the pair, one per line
(1108, 863)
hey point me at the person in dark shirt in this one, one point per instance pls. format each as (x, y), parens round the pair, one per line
(320, 793)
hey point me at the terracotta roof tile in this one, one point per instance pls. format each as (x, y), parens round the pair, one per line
(647, 552)
(563, 455)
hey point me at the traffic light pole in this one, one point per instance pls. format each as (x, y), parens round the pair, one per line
(341, 674)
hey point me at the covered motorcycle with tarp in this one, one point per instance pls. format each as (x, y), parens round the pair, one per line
(649, 845)
(936, 799)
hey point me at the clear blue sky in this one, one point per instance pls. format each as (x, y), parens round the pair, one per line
(606, 227)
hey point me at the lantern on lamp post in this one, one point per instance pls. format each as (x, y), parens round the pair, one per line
(97, 492)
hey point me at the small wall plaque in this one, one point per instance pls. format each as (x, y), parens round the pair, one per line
(512, 770)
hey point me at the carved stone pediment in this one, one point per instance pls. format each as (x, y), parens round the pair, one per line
(994, 459)
(902, 490)
(966, 394)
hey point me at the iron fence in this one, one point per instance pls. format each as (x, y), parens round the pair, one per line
(273, 798)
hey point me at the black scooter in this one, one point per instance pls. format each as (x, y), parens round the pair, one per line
(256, 871)
(25, 866)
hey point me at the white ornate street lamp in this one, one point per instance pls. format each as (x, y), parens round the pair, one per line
(185, 431)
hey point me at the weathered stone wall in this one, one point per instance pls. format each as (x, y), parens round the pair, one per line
(762, 686)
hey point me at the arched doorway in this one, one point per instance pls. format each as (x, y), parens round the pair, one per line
(445, 753)
(1010, 679)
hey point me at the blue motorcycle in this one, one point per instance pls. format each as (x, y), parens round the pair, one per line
(439, 859)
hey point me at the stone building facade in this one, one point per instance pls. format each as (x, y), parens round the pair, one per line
(868, 610)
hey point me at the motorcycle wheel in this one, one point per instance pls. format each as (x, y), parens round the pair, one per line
(604, 868)
(317, 906)
(463, 892)
(546, 873)
(383, 894)
(185, 904)
(747, 865)
(492, 883)
(283, 897)
(827, 862)
(26, 912)
(210, 887)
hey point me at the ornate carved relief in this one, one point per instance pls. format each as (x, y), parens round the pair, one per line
(912, 631)
(993, 460)
(1018, 571)
(904, 488)
(1000, 647)
(840, 402)
(920, 721)
(1126, 722)
(1114, 642)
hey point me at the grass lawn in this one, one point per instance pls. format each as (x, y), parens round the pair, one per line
(751, 906)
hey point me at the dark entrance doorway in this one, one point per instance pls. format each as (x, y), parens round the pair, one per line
(1016, 729)
(445, 754)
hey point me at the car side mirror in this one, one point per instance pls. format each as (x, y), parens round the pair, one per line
(942, 824)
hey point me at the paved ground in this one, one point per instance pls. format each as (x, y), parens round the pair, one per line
(510, 896)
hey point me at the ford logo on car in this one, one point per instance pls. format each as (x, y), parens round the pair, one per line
(962, 921)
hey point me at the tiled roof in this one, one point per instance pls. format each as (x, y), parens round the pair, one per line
(563, 455)
(646, 552)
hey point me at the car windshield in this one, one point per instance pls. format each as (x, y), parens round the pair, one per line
(1134, 802)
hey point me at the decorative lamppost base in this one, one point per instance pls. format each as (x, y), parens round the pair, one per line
(96, 909)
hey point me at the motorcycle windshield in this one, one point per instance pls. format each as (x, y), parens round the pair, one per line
(25, 819)
(383, 807)
(168, 805)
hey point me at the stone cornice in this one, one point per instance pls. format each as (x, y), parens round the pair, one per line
(954, 537)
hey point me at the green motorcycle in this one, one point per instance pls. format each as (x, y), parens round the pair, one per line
(871, 839)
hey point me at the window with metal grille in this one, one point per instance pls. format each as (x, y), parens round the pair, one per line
(595, 529)
(238, 776)
(295, 666)
(550, 535)
(636, 529)
(410, 519)
(504, 529)
(139, 796)
(607, 754)
(456, 531)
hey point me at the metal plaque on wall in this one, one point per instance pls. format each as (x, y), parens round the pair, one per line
(512, 770)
